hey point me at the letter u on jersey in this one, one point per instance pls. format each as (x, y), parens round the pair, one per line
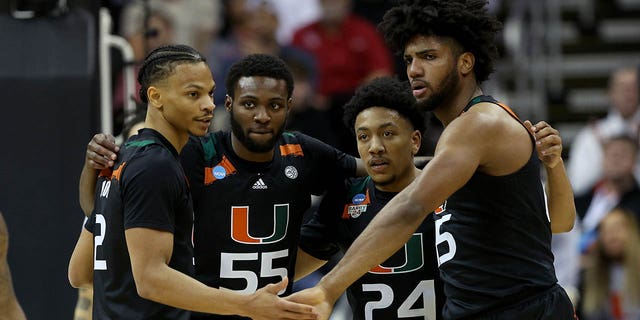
(240, 225)
(414, 257)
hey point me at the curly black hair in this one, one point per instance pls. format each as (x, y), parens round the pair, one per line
(259, 65)
(466, 21)
(161, 62)
(385, 92)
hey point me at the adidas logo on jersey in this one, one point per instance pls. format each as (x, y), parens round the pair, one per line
(259, 185)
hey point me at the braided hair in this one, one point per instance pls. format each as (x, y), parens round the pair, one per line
(161, 62)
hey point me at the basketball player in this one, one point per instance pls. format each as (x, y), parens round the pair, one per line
(492, 236)
(137, 246)
(250, 186)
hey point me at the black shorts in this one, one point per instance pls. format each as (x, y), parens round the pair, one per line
(551, 304)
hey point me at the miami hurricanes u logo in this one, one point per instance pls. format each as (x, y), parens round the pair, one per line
(240, 225)
(414, 258)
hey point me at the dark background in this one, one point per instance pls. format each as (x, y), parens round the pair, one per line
(49, 96)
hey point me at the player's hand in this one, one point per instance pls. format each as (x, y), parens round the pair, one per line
(548, 143)
(316, 297)
(101, 152)
(266, 305)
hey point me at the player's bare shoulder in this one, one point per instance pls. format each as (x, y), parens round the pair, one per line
(507, 143)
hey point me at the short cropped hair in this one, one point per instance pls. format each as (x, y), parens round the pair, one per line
(259, 65)
(389, 93)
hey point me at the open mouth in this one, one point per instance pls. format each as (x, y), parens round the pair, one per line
(418, 88)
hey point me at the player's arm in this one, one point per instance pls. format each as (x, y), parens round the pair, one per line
(81, 263)
(150, 251)
(461, 150)
(100, 154)
(8, 302)
(562, 210)
(306, 264)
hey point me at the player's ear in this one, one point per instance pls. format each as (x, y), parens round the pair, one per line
(228, 102)
(416, 141)
(466, 61)
(154, 95)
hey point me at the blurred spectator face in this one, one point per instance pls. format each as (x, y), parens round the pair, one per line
(623, 91)
(160, 32)
(334, 11)
(619, 159)
(264, 18)
(614, 233)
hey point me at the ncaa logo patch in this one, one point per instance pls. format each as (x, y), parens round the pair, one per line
(219, 172)
(291, 172)
(358, 198)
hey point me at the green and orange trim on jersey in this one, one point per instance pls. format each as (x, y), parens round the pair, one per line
(291, 150)
(225, 163)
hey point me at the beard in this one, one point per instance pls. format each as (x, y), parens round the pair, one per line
(250, 144)
(446, 91)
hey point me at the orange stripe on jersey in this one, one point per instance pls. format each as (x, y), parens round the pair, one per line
(208, 171)
(291, 149)
(507, 109)
(106, 173)
(117, 172)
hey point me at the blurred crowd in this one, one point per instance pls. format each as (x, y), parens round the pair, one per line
(332, 46)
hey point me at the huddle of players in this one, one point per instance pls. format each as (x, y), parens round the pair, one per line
(250, 187)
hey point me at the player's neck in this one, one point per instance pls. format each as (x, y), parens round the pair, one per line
(453, 107)
(401, 182)
(177, 138)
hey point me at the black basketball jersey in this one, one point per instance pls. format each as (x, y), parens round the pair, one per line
(248, 215)
(405, 286)
(146, 189)
(493, 239)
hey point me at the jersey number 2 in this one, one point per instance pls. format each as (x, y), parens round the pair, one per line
(97, 241)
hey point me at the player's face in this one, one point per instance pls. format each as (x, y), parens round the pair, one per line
(258, 112)
(613, 234)
(187, 98)
(432, 70)
(387, 144)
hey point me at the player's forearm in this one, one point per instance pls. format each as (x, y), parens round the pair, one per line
(562, 210)
(81, 263)
(86, 189)
(386, 233)
(171, 287)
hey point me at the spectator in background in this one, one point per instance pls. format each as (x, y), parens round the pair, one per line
(305, 115)
(585, 157)
(349, 52)
(253, 30)
(612, 278)
(618, 187)
(158, 31)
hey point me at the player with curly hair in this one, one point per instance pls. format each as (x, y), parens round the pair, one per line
(492, 232)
